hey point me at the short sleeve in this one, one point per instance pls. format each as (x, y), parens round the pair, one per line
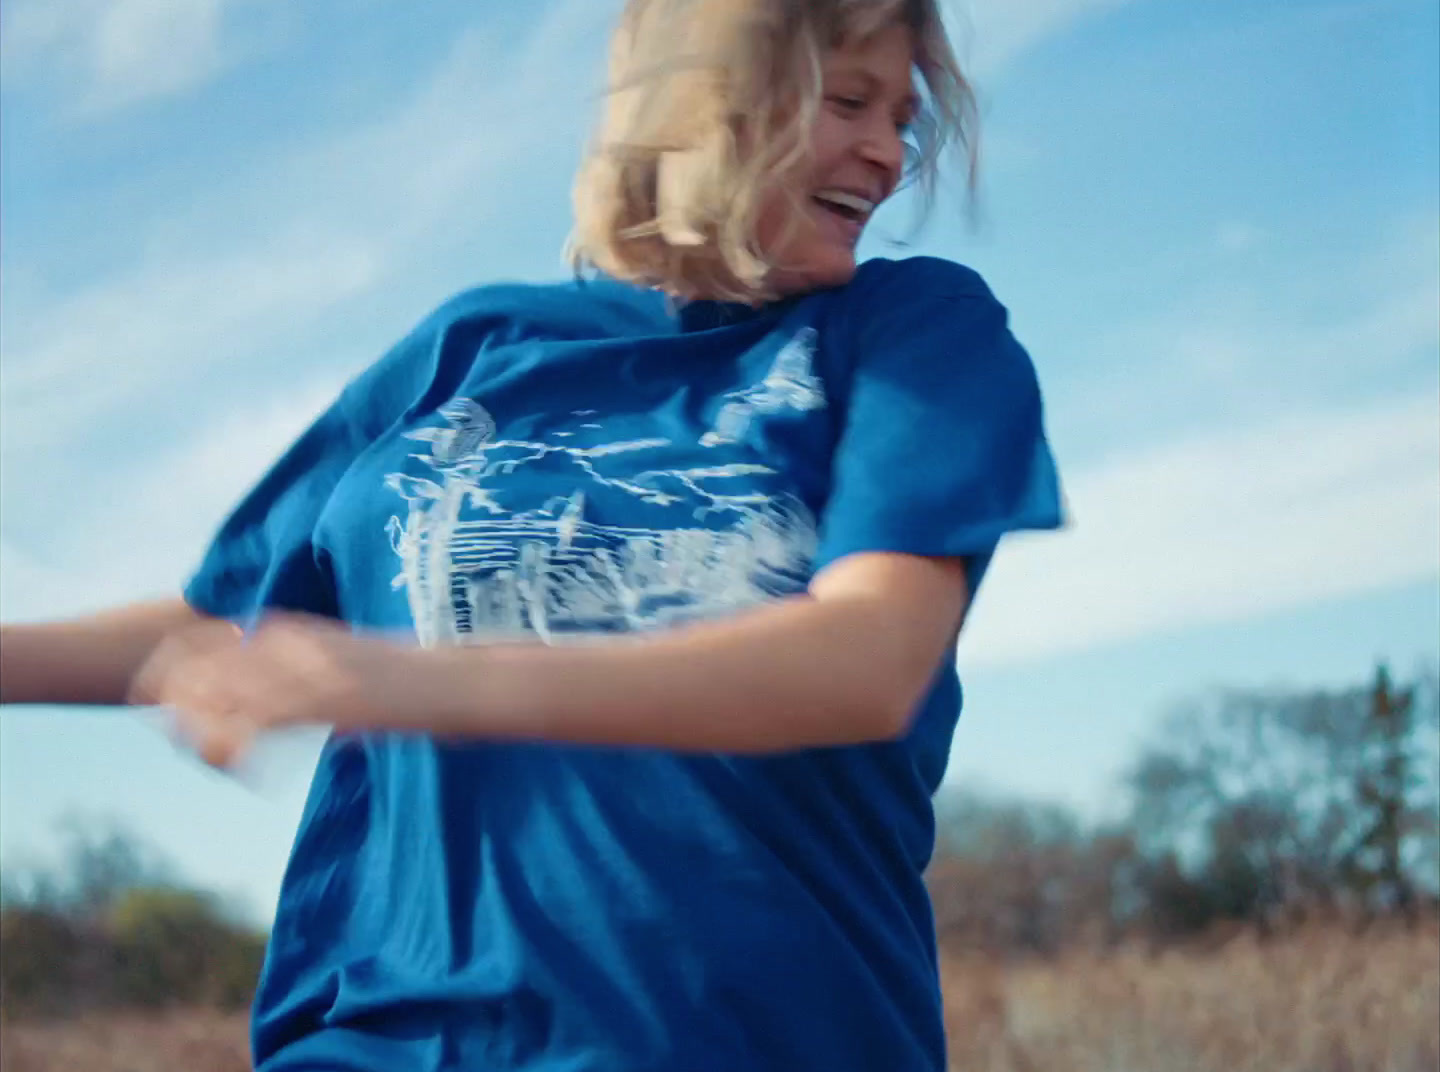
(943, 449)
(265, 555)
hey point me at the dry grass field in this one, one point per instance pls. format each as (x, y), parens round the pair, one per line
(1326, 1001)
(176, 1042)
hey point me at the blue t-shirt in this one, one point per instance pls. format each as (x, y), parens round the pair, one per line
(548, 462)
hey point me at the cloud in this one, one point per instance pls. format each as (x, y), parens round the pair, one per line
(143, 543)
(32, 586)
(1307, 507)
(1238, 236)
(116, 53)
(993, 33)
(101, 348)
(1256, 443)
(112, 54)
(1288, 324)
(268, 263)
(271, 254)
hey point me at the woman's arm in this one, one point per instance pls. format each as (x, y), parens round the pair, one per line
(846, 663)
(87, 660)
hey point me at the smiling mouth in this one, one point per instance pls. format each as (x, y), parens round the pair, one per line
(840, 212)
(850, 208)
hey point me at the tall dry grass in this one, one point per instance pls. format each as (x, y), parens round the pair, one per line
(1326, 1000)
(1322, 1000)
(181, 1041)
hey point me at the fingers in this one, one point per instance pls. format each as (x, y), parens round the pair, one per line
(226, 689)
(149, 684)
(218, 742)
(218, 701)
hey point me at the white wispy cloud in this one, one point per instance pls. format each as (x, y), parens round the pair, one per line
(1283, 323)
(142, 544)
(994, 32)
(1253, 461)
(98, 350)
(1222, 527)
(276, 251)
(250, 265)
(1238, 236)
(109, 54)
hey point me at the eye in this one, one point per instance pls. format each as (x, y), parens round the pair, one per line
(847, 104)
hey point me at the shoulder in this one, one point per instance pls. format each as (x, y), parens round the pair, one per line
(929, 325)
(437, 354)
(574, 308)
(920, 298)
(928, 307)
(914, 281)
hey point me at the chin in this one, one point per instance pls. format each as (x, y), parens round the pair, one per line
(834, 269)
(835, 275)
(814, 264)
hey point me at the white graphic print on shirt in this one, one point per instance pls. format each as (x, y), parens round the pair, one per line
(790, 384)
(475, 570)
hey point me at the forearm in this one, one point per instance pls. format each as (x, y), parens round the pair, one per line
(87, 661)
(799, 673)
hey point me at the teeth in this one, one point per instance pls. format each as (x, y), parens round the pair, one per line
(853, 202)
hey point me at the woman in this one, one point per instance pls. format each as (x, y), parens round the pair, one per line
(686, 549)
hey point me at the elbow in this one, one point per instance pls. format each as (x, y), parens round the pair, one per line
(857, 716)
(896, 718)
(896, 698)
(886, 717)
(883, 705)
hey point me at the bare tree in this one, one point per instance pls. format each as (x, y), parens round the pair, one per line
(1259, 805)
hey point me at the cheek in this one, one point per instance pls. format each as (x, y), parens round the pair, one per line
(829, 141)
(784, 230)
(771, 224)
(785, 226)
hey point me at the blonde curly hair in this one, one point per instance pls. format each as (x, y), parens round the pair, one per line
(711, 102)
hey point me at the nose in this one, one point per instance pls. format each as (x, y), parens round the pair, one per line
(883, 148)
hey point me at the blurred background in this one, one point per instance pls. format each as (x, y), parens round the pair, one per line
(1190, 819)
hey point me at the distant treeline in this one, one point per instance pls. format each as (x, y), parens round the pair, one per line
(112, 928)
(1257, 808)
(1251, 809)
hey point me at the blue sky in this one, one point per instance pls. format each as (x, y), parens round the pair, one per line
(1217, 228)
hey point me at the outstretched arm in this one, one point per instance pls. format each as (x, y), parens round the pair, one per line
(89, 660)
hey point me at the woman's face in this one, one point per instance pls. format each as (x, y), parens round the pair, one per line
(858, 155)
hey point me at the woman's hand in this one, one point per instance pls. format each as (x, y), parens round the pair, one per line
(226, 688)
